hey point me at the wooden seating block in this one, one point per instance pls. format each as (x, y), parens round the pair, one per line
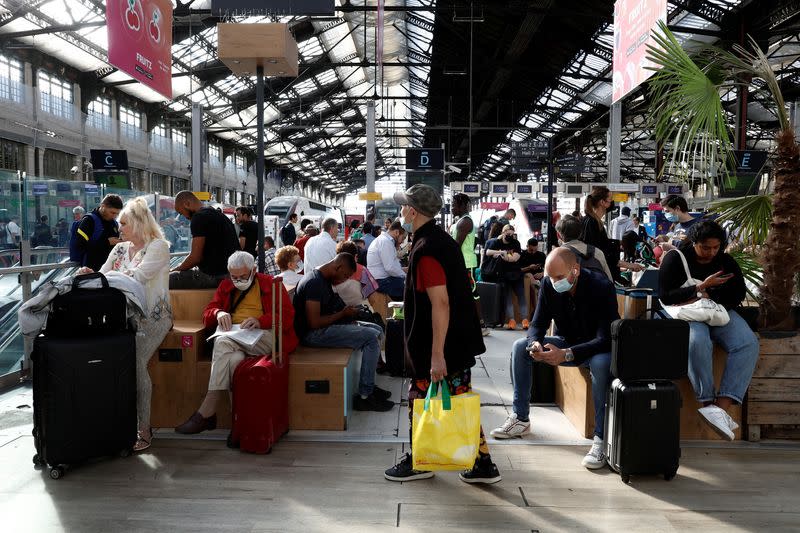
(188, 304)
(773, 403)
(380, 304)
(637, 305)
(179, 370)
(574, 397)
(322, 382)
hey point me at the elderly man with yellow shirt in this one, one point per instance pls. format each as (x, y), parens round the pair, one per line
(245, 298)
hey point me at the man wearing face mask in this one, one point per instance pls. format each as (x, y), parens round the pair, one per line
(243, 299)
(676, 211)
(383, 263)
(442, 329)
(583, 303)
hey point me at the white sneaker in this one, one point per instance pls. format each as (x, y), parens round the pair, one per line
(485, 331)
(596, 458)
(719, 420)
(511, 428)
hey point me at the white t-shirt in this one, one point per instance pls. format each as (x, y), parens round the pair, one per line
(319, 250)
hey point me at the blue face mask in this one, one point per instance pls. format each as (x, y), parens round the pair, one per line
(671, 217)
(408, 227)
(563, 285)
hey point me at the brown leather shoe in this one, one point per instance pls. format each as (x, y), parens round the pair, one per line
(197, 423)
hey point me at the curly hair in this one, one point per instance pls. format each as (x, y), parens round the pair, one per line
(285, 255)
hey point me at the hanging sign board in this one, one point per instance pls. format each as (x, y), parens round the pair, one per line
(140, 41)
(634, 22)
(370, 196)
(649, 190)
(424, 159)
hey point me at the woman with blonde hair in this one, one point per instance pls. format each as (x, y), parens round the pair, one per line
(143, 255)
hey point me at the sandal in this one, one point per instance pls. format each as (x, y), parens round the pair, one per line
(141, 442)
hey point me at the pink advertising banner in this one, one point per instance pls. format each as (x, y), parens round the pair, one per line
(634, 20)
(140, 41)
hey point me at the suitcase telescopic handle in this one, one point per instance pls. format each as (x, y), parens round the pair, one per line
(77, 280)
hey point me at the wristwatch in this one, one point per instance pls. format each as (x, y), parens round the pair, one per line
(699, 294)
(568, 356)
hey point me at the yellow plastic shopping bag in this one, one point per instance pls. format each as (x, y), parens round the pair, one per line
(446, 431)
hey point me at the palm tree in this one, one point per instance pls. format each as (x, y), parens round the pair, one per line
(686, 108)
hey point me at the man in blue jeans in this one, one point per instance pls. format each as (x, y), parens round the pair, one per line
(583, 304)
(322, 319)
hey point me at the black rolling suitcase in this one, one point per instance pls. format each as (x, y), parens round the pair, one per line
(84, 378)
(84, 396)
(649, 349)
(643, 428)
(395, 348)
(491, 295)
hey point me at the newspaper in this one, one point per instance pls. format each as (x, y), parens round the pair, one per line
(246, 337)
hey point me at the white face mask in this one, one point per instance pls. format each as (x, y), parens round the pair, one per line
(299, 267)
(243, 285)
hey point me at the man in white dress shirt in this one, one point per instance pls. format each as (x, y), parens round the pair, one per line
(321, 248)
(383, 263)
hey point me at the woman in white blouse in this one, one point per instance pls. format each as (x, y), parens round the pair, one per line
(144, 255)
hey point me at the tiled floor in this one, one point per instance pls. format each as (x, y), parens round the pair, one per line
(333, 481)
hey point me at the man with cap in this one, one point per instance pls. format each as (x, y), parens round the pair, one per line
(621, 224)
(442, 329)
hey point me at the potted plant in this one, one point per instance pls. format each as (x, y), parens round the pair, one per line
(687, 110)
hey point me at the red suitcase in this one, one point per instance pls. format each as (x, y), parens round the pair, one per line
(261, 393)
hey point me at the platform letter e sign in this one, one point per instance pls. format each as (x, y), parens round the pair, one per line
(187, 341)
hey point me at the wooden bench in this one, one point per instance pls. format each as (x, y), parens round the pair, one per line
(322, 383)
(181, 365)
(574, 397)
(773, 401)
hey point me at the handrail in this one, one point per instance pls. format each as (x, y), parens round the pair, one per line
(35, 251)
(29, 273)
(46, 267)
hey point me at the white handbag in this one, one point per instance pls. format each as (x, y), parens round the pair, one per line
(702, 310)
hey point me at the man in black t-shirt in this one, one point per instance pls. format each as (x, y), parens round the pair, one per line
(323, 320)
(248, 230)
(531, 260)
(213, 241)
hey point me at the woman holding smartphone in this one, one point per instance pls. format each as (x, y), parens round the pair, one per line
(704, 253)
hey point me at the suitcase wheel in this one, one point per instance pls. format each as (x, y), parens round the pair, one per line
(626, 478)
(125, 453)
(56, 472)
(37, 461)
(669, 475)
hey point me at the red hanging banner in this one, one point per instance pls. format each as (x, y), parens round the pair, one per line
(140, 41)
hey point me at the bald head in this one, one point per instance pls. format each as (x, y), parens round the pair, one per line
(187, 204)
(561, 263)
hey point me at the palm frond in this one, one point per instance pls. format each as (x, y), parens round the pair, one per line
(687, 109)
(749, 217)
(751, 270)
